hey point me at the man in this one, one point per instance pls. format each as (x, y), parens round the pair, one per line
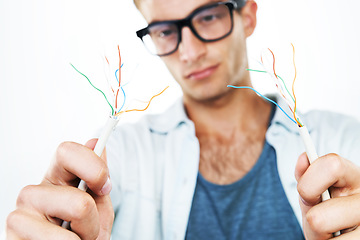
(217, 165)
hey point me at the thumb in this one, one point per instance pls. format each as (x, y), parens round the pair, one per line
(103, 203)
(301, 166)
(106, 216)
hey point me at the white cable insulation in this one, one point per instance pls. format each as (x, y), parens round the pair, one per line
(312, 155)
(99, 148)
(309, 146)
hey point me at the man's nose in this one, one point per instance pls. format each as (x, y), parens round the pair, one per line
(191, 48)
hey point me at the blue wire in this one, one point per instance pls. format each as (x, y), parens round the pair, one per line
(117, 78)
(117, 70)
(268, 99)
(124, 99)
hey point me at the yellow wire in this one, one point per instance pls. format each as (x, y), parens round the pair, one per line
(293, 87)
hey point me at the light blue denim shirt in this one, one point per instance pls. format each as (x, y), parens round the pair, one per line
(154, 165)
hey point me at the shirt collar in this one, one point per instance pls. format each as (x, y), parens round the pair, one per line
(176, 115)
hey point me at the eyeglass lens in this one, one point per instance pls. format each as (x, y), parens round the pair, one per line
(210, 24)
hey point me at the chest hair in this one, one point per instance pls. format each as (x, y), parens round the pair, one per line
(224, 161)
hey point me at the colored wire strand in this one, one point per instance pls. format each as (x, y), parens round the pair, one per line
(112, 109)
(149, 102)
(116, 73)
(124, 99)
(107, 76)
(121, 87)
(261, 71)
(120, 65)
(115, 111)
(273, 62)
(268, 99)
(281, 87)
(293, 87)
(119, 80)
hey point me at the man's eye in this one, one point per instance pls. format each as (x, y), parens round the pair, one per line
(166, 33)
(209, 18)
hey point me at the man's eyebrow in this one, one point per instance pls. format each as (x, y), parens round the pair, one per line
(170, 20)
(161, 21)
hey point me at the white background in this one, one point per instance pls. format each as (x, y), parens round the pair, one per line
(43, 101)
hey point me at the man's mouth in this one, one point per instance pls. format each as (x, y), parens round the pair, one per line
(202, 73)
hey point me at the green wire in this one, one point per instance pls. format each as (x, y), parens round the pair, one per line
(112, 109)
(252, 70)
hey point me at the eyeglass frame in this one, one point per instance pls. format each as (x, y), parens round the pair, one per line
(186, 22)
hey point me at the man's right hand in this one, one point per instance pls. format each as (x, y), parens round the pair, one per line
(41, 208)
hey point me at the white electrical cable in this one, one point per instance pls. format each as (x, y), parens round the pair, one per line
(312, 155)
(99, 148)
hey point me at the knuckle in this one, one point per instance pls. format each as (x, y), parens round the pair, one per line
(84, 206)
(62, 149)
(303, 192)
(12, 220)
(315, 220)
(102, 173)
(335, 164)
(24, 194)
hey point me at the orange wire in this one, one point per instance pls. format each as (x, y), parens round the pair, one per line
(117, 92)
(108, 80)
(282, 94)
(119, 66)
(273, 62)
(293, 85)
(140, 110)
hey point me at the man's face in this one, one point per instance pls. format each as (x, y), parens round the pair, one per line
(203, 69)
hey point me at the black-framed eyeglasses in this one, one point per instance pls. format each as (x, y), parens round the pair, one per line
(208, 23)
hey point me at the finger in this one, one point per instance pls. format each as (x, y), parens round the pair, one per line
(22, 225)
(301, 166)
(103, 203)
(334, 215)
(326, 171)
(106, 216)
(67, 203)
(350, 235)
(73, 161)
(91, 143)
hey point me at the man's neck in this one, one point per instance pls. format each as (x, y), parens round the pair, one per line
(231, 133)
(242, 111)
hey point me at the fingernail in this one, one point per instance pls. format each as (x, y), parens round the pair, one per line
(106, 189)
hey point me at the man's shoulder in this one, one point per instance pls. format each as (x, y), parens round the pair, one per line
(330, 120)
(335, 132)
(159, 123)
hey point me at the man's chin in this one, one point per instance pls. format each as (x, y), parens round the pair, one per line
(207, 98)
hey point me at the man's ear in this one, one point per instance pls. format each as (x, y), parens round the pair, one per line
(248, 15)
